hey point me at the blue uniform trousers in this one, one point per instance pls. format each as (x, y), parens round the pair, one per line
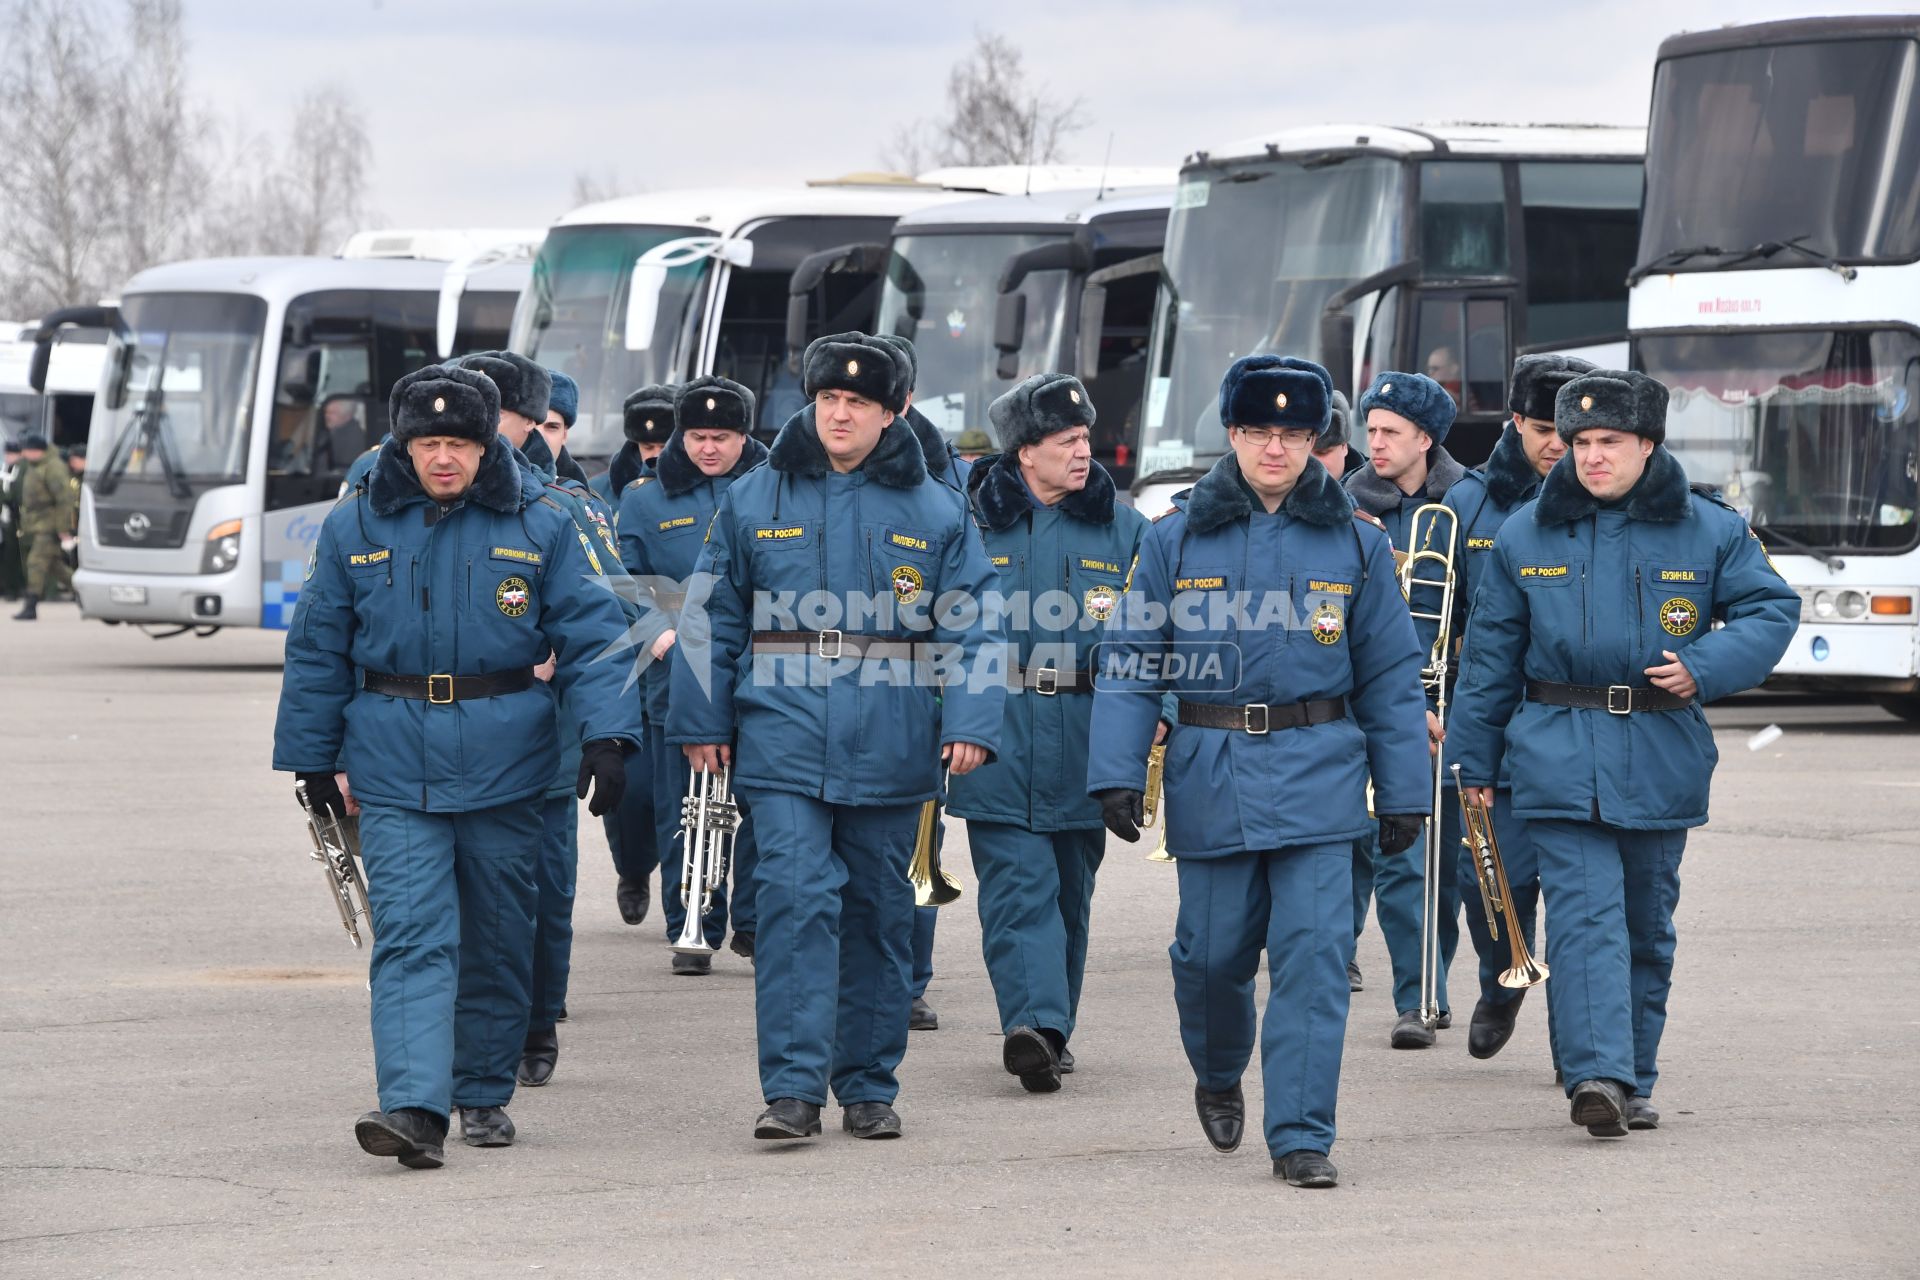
(1295, 902)
(1363, 859)
(1610, 939)
(1035, 894)
(1398, 889)
(554, 876)
(453, 900)
(1523, 878)
(834, 946)
(924, 920)
(671, 775)
(631, 837)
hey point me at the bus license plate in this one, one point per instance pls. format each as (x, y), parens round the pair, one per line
(127, 595)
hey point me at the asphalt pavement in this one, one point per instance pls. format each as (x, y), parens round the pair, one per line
(185, 1049)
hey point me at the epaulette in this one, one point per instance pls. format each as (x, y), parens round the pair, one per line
(635, 484)
(1370, 518)
(556, 506)
(1713, 495)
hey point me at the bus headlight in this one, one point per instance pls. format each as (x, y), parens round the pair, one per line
(1851, 604)
(222, 551)
(1824, 605)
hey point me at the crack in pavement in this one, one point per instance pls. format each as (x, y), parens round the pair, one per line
(107, 1231)
(138, 1173)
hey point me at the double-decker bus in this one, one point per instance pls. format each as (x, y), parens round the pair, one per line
(1777, 294)
(1445, 249)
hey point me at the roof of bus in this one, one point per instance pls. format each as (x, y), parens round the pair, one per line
(1442, 139)
(1791, 31)
(722, 211)
(289, 277)
(1064, 209)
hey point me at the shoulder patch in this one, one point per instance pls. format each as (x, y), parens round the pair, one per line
(635, 484)
(1369, 518)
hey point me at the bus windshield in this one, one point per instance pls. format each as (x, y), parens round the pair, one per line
(179, 398)
(1815, 434)
(1783, 155)
(941, 291)
(1254, 251)
(574, 319)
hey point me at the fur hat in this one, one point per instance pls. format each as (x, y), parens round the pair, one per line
(905, 347)
(1615, 399)
(1538, 379)
(1276, 391)
(973, 440)
(525, 388)
(33, 440)
(1339, 429)
(445, 400)
(1415, 397)
(565, 400)
(855, 362)
(1044, 404)
(647, 415)
(713, 404)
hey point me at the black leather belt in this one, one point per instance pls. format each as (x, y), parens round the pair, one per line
(445, 689)
(1619, 699)
(1259, 717)
(833, 644)
(1051, 680)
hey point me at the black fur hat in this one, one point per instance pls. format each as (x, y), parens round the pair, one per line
(1339, 429)
(713, 404)
(1615, 399)
(1415, 397)
(1038, 407)
(647, 415)
(905, 347)
(1537, 380)
(525, 387)
(856, 362)
(1276, 391)
(445, 400)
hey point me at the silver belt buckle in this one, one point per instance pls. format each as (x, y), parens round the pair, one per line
(1248, 711)
(1046, 680)
(821, 641)
(1619, 699)
(440, 690)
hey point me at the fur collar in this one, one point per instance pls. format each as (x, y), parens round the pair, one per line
(1222, 497)
(1378, 496)
(539, 456)
(895, 462)
(933, 445)
(500, 484)
(567, 469)
(626, 467)
(1510, 478)
(1000, 497)
(1661, 495)
(678, 474)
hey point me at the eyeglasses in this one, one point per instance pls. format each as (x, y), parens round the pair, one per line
(1291, 439)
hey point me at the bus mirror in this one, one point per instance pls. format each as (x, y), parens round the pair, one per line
(1093, 320)
(1336, 349)
(796, 329)
(1009, 329)
(650, 277)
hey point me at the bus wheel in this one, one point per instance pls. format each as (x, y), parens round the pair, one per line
(1904, 705)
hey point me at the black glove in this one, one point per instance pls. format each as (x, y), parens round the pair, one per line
(603, 762)
(1120, 810)
(323, 792)
(1398, 831)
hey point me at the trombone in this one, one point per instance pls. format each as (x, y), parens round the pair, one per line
(336, 847)
(933, 885)
(709, 819)
(1150, 802)
(1495, 894)
(1433, 519)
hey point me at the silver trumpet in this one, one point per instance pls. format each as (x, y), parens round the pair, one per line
(336, 847)
(709, 817)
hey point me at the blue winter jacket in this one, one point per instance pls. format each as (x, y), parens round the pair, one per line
(494, 583)
(1384, 501)
(1292, 606)
(795, 534)
(1579, 593)
(663, 522)
(1062, 570)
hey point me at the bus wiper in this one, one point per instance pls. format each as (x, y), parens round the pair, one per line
(1170, 475)
(1767, 248)
(1673, 259)
(149, 428)
(1770, 534)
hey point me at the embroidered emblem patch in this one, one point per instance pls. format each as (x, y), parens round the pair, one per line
(312, 556)
(907, 583)
(512, 596)
(1328, 622)
(1100, 602)
(1679, 616)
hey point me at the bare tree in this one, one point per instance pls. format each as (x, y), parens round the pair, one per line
(155, 145)
(993, 116)
(324, 171)
(592, 188)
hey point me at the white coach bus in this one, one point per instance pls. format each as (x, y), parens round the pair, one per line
(1777, 293)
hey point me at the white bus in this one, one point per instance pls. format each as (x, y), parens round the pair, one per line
(235, 394)
(1444, 249)
(49, 373)
(1778, 296)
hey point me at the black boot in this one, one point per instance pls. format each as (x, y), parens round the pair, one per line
(29, 611)
(416, 1138)
(692, 965)
(1410, 1031)
(1066, 1061)
(1600, 1105)
(1640, 1114)
(1307, 1169)
(922, 1017)
(788, 1118)
(742, 945)
(634, 897)
(870, 1120)
(1492, 1025)
(1030, 1054)
(485, 1127)
(1354, 982)
(1223, 1116)
(538, 1057)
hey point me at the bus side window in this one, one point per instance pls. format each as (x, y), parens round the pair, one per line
(1582, 227)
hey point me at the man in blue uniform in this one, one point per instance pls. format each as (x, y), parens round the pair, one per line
(663, 518)
(1056, 535)
(1408, 416)
(811, 654)
(1297, 676)
(646, 419)
(1482, 500)
(432, 594)
(1589, 652)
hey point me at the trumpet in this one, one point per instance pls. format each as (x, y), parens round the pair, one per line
(336, 847)
(709, 818)
(1150, 801)
(933, 885)
(1422, 556)
(1495, 894)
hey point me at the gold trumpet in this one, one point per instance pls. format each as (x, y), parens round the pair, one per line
(1150, 801)
(1495, 894)
(933, 885)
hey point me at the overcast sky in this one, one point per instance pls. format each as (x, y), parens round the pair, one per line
(482, 112)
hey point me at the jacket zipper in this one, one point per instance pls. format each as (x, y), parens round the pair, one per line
(1639, 606)
(1583, 606)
